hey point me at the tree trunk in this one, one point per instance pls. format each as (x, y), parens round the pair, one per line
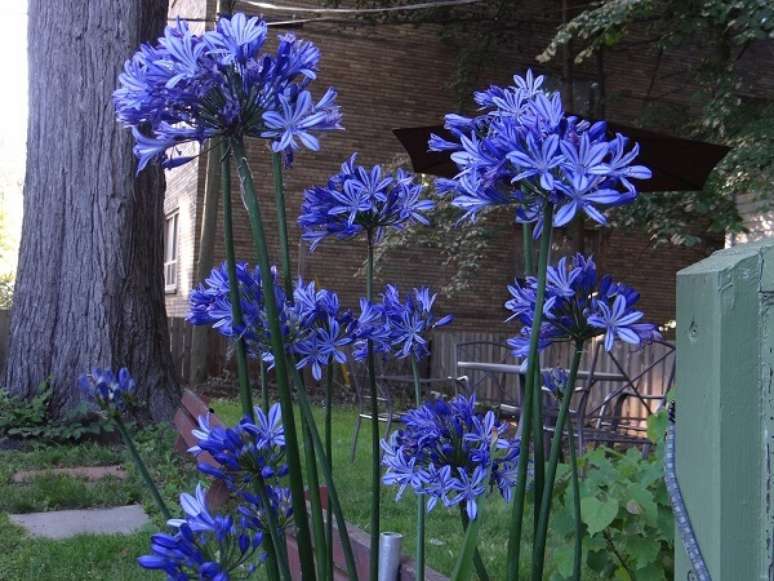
(89, 288)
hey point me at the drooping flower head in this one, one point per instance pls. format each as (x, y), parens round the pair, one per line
(205, 546)
(315, 327)
(360, 199)
(188, 88)
(578, 306)
(110, 391)
(451, 454)
(250, 452)
(524, 150)
(399, 327)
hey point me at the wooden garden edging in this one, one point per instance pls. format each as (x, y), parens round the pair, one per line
(186, 420)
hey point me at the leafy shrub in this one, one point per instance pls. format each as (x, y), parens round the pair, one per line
(627, 518)
(30, 418)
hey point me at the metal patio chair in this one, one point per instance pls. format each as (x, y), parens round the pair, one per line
(493, 389)
(395, 394)
(613, 407)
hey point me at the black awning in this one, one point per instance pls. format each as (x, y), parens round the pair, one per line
(677, 164)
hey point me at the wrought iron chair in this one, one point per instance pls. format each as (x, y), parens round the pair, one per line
(612, 405)
(395, 395)
(492, 388)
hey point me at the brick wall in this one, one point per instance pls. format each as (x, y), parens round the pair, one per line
(397, 76)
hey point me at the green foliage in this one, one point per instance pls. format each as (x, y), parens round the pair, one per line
(628, 525)
(460, 247)
(26, 419)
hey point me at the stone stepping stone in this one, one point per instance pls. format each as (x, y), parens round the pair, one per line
(63, 524)
(91, 473)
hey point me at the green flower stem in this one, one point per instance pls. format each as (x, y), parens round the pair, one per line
(143, 470)
(315, 501)
(264, 387)
(578, 555)
(539, 546)
(333, 496)
(514, 538)
(276, 549)
(420, 558)
(286, 399)
(329, 455)
(282, 221)
(478, 562)
(376, 472)
(318, 530)
(245, 395)
(538, 451)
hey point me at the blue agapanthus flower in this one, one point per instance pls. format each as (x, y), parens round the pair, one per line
(205, 546)
(358, 200)
(396, 327)
(451, 454)
(524, 150)
(244, 451)
(578, 306)
(188, 88)
(315, 327)
(110, 391)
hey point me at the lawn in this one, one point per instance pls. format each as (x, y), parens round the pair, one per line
(113, 557)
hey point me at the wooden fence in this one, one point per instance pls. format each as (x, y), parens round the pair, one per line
(445, 346)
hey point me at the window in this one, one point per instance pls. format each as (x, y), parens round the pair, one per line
(170, 253)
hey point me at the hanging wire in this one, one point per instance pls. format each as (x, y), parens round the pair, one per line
(684, 526)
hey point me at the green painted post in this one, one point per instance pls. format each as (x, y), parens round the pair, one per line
(725, 410)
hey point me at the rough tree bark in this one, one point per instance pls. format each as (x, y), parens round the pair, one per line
(89, 288)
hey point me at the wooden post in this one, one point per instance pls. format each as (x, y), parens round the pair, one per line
(725, 410)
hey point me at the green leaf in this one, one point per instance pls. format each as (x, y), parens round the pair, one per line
(657, 424)
(641, 551)
(598, 514)
(563, 558)
(646, 505)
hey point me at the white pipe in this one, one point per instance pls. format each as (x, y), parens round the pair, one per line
(389, 556)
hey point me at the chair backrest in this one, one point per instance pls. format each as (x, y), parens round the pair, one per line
(640, 378)
(489, 386)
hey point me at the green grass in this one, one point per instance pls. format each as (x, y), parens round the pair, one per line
(113, 557)
(443, 530)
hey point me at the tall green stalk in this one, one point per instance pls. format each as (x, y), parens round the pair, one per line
(517, 512)
(539, 544)
(315, 501)
(329, 455)
(282, 221)
(143, 470)
(333, 496)
(276, 548)
(376, 471)
(537, 407)
(578, 554)
(478, 562)
(420, 559)
(318, 528)
(245, 396)
(264, 387)
(286, 399)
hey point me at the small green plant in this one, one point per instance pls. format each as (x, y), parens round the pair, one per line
(30, 418)
(628, 524)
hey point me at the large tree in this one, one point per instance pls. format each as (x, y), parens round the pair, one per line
(89, 288)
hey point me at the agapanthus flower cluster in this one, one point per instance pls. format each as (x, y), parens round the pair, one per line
(360, 199)
(110, 391)
(398, 327)
(578, 306)
(524, 150)
(451, 454)
(188, 88)
(205, 546)
(250, 454)
(314, 325)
